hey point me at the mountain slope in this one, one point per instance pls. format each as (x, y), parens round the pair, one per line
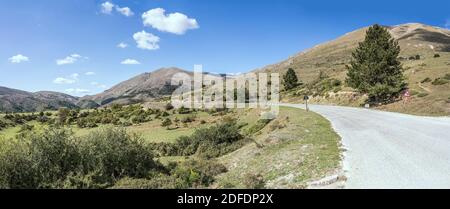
(13, 100)
(414, 39)
(141, 88)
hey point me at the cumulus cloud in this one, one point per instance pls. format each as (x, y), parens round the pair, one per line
(125, 11)
(73, 78)
(130, 62)
(18, 59)
(122, 45)
(77, 91)
(146, 40)
(61, 80)
(107, 7)
(89, 73)
(69, 59)
(176, 23)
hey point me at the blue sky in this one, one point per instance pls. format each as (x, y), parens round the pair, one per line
(71, 46)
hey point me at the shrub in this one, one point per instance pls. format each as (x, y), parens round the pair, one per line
(63, 115)
(253, 181)
(39, 160)
(183, 110)
(207, 142)
(423, 94)
(165, 114)
(198, 173)
(140, 118)
(57, 159)
(439, 81)
(115, 154)
(168, 106)
(167, 122)
(188, 119)
(26, 127)
(426, 80)
(436, 55)
(447, 76)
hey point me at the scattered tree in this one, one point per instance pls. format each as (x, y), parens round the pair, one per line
(290, 79)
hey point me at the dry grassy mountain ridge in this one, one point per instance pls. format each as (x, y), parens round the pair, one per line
(141, 88)
(13, 100)
(428, 76)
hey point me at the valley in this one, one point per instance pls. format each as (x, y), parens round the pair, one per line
(288, 152)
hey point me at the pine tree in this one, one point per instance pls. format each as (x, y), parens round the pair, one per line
(374, 68)
(290, 79)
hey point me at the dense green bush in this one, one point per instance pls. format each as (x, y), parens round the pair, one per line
(39, 160)
(208, 142)
(57, 159)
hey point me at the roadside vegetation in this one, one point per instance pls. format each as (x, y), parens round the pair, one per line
(51, 149)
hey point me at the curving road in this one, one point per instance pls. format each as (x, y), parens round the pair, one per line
(390, 150)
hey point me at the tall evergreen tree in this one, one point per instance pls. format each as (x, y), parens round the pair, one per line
(374, 68)
(290, 79)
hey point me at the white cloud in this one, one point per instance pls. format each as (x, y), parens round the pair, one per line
(77, 56)
(122, 45)
(89, 73)
(107, 7)
(130, 62)
(69, 59)
(146, 40)
(447, 23)
(125, 11)
(77, 91)
(73, 78)
(61, 80)
(176, 23)
(18, 59)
